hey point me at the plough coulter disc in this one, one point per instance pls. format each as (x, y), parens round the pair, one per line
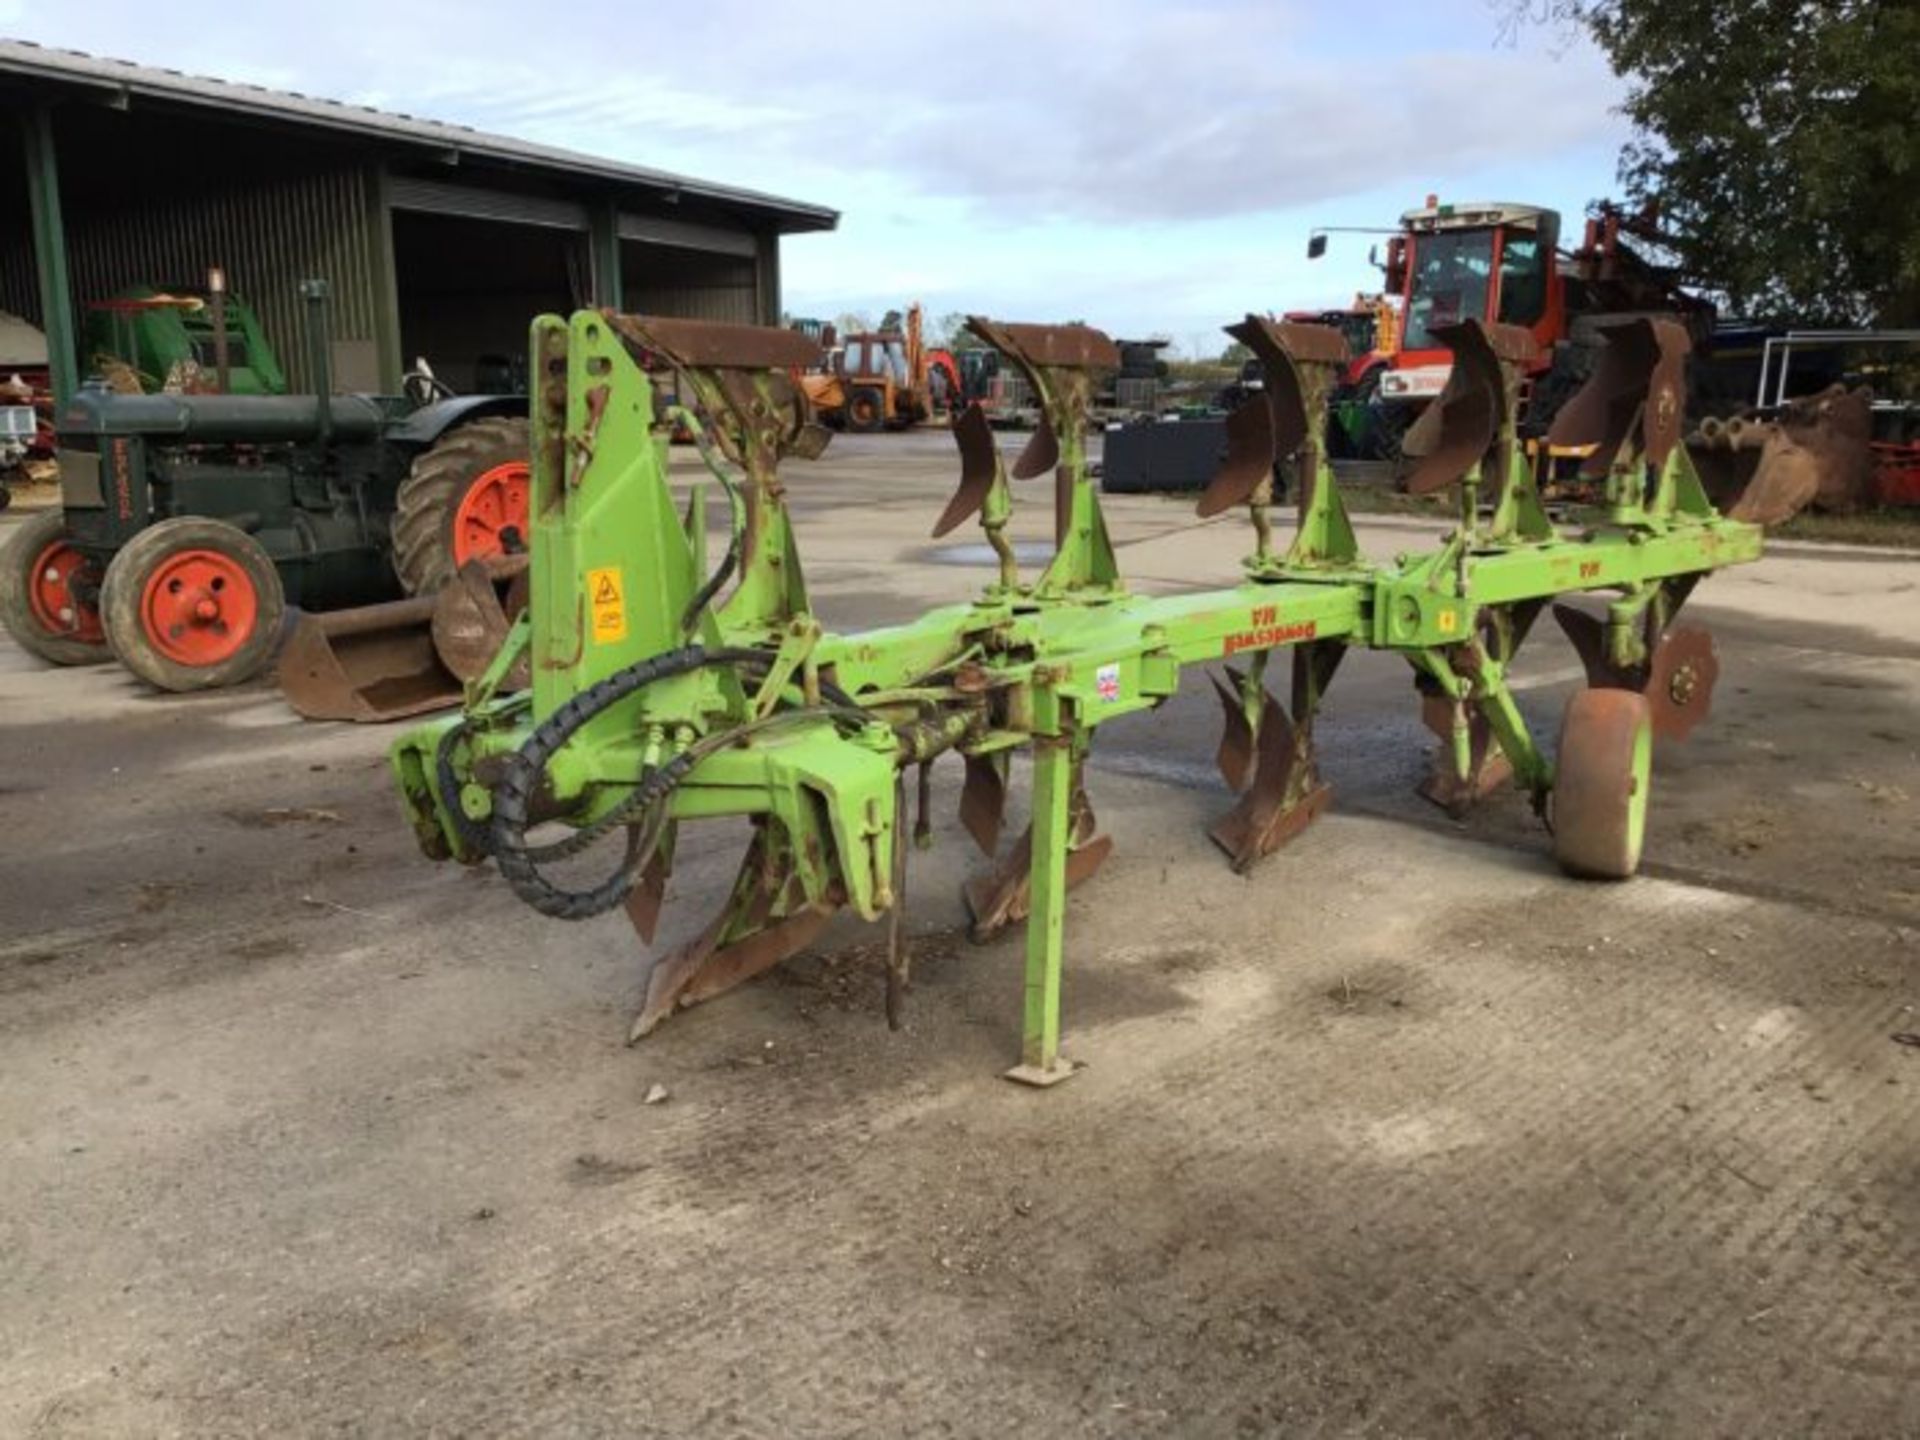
(1680, 681)
(1603, 773)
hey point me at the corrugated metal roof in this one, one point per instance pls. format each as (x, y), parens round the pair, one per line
(127, 80)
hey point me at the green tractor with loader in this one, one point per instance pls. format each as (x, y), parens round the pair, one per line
(189, 525)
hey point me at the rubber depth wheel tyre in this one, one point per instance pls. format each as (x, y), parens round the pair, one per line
(41, 574)
(1601, 782)
(464, 499)
(866, 411)
(193, 604)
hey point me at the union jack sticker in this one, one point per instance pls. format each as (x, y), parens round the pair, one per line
(1106, 681)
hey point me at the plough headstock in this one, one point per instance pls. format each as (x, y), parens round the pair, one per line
(659, 698)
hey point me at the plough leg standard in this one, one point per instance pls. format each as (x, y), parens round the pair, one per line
(662, 695)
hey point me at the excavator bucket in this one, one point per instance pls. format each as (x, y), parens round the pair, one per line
(407, 657)
(1454, 433)
(1818, 452)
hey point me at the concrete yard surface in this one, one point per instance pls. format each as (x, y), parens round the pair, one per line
(1402, 1134)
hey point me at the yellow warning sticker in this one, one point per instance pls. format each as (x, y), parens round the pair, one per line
(1448, 620)
(607, 597)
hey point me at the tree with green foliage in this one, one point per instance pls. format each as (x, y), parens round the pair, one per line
(1778, 139)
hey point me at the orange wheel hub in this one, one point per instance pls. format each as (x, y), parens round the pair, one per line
(51, 598)
(199, 607)
(492, 517)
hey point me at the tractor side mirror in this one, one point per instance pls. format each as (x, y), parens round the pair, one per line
(1316, 245)
(1396, 267)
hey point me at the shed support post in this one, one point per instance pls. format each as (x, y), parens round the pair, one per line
(386, 279)
(50, 251)
(608, 285)
(766, 276)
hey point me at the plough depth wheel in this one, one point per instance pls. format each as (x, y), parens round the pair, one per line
(1604, 769)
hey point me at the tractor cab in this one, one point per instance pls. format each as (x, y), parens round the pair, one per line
(1483, 261)
(879, 358)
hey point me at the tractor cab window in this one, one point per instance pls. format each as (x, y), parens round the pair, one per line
(1523, 279)
(854, 358)
(1451, 274)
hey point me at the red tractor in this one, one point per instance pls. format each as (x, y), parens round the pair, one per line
(1500, 262)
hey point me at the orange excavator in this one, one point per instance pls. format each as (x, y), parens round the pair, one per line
(885, 379)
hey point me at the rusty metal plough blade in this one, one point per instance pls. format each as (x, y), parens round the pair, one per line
(1640, 381)
(1455, 433)
(980, 466)
(1286, 794)
(1235, 754)
(1249, 462)
(1061, 363)
(1001, 895)
(767, 917)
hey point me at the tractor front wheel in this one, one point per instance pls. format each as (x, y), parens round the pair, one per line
(48, 591)
(192, 604)
(465, 499)
(1601, 779)
(866, 410)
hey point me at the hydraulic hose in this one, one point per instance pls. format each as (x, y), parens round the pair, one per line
(643, 812)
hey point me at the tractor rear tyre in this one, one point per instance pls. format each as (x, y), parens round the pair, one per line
(1384, 423)
(1601, 782)
(866, 410)
(464, 499)
(193, 604)
(47, 594)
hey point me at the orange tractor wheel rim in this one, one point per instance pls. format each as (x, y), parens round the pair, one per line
(50, 597)
(199, 608)
(492, 516)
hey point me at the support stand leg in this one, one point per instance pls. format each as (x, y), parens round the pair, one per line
(1040, 1062)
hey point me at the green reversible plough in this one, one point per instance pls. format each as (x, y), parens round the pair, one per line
(662, 694)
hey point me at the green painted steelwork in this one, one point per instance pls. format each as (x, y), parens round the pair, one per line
(660, 697)
(50, 250)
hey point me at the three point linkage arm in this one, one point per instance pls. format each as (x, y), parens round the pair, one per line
(663, 693)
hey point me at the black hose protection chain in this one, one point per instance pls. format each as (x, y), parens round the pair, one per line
(512, 796)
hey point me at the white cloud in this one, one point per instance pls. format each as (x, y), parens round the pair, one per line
(1141, 160)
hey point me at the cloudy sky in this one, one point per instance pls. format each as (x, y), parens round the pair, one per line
(1150, 166)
